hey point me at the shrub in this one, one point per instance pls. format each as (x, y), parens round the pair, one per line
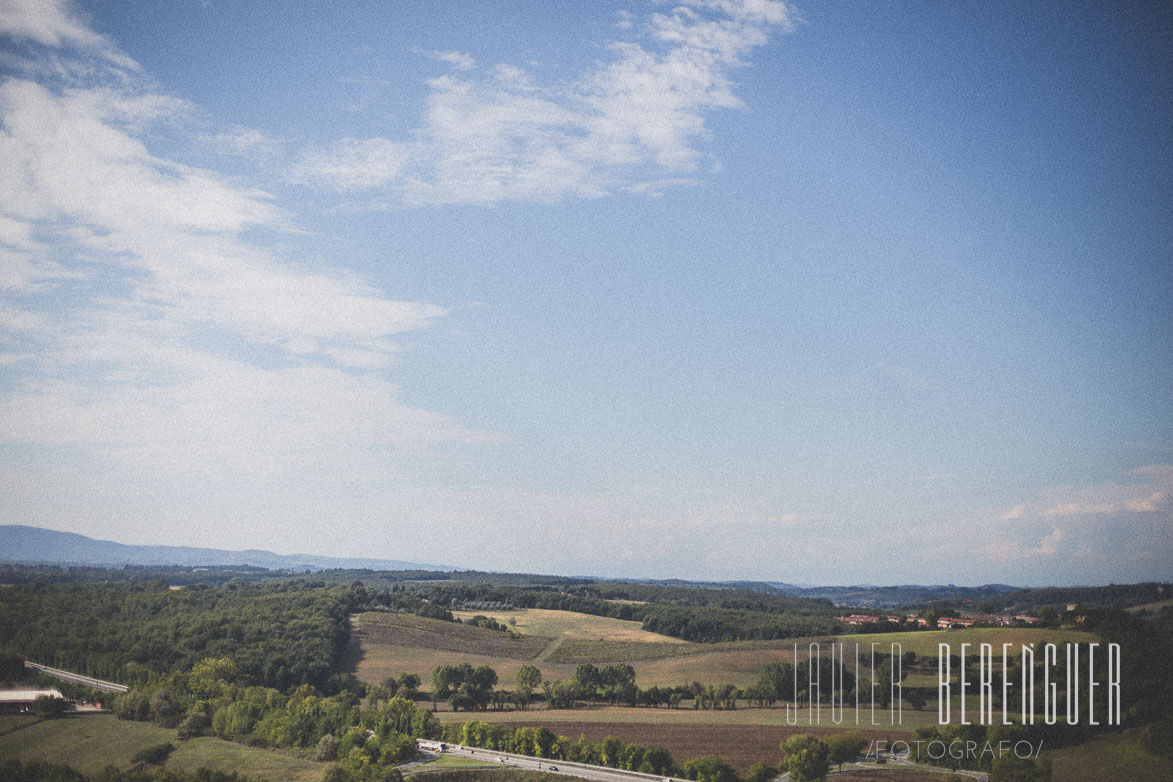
(132, 706)
(194, 724)
(154, 755)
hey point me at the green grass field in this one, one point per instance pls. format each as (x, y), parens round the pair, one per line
(87, 742)
(91, 742)
(11, 722)
(1116, 759)
(220, 755)
(449, 762)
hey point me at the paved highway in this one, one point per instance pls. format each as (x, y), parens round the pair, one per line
(604, 774)
(581, 770)
(76, 678)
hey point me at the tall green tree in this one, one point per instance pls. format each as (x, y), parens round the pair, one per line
(806, 758)
(529, 677)
(845, 747)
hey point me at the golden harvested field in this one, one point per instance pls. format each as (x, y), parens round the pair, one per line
(568, 624)
(392, 644)
(739, 667)
(415, 631)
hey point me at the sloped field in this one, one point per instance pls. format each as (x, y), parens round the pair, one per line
(420, 633)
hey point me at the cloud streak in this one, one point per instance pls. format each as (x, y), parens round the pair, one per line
(1147, 492)
(633, 122)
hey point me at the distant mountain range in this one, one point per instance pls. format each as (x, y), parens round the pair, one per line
(33, 545)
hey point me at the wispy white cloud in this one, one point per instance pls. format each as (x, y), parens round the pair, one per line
(72, 155)
(178, 345)
(1068, 519)
(246, 142)
(633, 122)
(1146, 492)
(353, 164)
(1003, 549)
(458, 60)
(56, 23)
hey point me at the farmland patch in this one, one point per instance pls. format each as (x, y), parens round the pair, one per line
(420, 633)
(573, 625)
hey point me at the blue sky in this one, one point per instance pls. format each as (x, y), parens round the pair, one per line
(823, 293)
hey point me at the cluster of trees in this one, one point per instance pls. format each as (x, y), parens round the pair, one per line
(212, 700)
(465, 687)
(468, 688)
(783, 681)
(581, 599)
(541, 742)
(279, 635)
(613, 683)
(405, 686)
(704, 624)
(480, 620)
(1009, 767)
(759, 600)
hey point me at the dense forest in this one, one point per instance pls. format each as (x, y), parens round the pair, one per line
(279, 634)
